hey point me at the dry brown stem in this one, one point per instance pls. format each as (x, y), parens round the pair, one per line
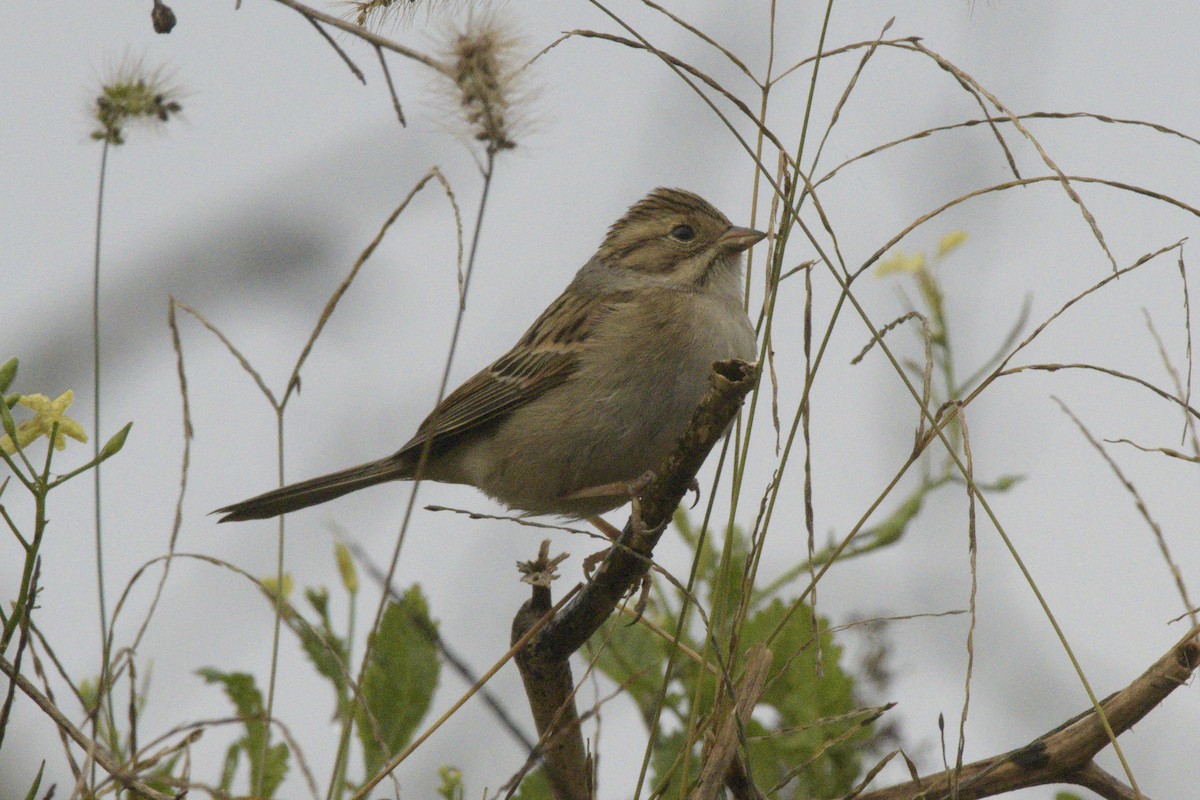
(734, 714)
(95, 751)
(1065, 754)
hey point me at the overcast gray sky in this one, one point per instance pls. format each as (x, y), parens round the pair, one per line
(253, 206)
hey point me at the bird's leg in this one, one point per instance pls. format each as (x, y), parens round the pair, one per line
(629, 489)
(610, 532)
(613, 533)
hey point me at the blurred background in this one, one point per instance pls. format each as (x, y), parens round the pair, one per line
(253, 206)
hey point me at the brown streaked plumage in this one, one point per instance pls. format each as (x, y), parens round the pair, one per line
(597, 390)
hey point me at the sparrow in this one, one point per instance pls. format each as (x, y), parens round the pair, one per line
(597, 391)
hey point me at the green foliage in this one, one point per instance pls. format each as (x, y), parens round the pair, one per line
(398, 684)
(163, 777)
(813, 741)
(534, 787)
(328, 652)
(1067, 796)
(634, 659)
(266, 772)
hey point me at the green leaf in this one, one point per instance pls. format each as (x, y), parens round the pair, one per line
(1003, 484)
(634, 658)
(37, 781)
(163, 776)
(534, 787)
(1067, 796)
(327, 651)
(241, 691)
(244, 694)
(276, 769)
(891, 528)
(398, 683)
(319, 600)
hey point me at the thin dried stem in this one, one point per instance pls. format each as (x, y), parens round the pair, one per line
(1002, 120)
(699, 34)
(973, 551)
(95, 751)
(338, 49)
(188, 433)
(1142, 508)
(233, 351)
(330, 305)
(370, 37)
(387, 75)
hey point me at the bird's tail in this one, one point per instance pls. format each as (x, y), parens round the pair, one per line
(314, 491)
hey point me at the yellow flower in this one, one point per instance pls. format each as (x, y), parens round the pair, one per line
(901, 262)
(950, 241)
(46, 413)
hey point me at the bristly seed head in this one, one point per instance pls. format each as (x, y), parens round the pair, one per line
(376, 14)
(482, 66)
(133, 94)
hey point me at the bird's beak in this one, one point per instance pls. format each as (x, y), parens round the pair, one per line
(736, 239)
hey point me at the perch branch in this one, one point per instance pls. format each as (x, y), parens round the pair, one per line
(543, 662)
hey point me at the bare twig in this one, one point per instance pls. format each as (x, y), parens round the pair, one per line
(733, 714)
(1063, 755)
(1142, 508)
(387, 74)
(313, 15)
(338, 49)
(294, 381)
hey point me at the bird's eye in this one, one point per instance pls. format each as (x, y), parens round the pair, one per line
(683, 233)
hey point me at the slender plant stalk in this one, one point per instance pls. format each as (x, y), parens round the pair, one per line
(103, 687)
(96, 400)
(739, 465)
(338, 779)
(279, 551)
(488, 169)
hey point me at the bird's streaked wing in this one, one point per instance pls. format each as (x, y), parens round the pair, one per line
(545, 356)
